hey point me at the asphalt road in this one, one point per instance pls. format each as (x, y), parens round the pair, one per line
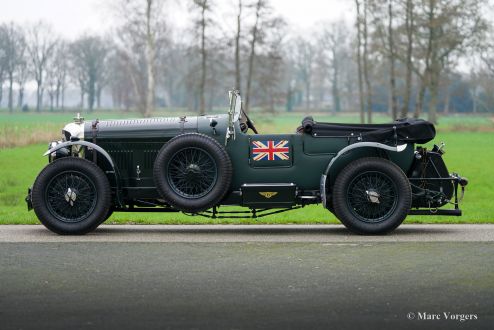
(232, 277)
(250, 233)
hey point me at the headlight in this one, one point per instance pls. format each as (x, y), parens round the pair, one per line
(75, 130)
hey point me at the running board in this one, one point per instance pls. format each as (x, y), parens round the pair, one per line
(455, 213)
(146, 209)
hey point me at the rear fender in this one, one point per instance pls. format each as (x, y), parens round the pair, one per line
(348, 154)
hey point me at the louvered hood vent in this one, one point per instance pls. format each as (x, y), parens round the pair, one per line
(140, 128)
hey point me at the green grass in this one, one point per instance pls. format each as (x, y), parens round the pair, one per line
(469, 153)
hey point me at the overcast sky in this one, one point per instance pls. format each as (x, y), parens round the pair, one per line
(73, 17)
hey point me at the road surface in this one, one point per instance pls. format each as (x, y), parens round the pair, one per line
(250, 233)
(244, 277)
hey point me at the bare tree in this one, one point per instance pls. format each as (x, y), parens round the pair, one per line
(384, 21)
(270, 62)
(78, 76)
(447, 29)
(14, 51)
(261, 11)
(409, 29)
(174, 65)
(253, 43)
(51, 81)
(21, 76)
(359, 60)
(321, 77)
(89, 56)
(61, 72)
(265, 24)
(150, 58)
(392, 62)
(204, 6)
(41, 42)
(403, 48)
(334, 41)
(475, 81)
(304, 58)
(366, 65)
(121, 87)
(140, 35)
(56, 74)
(3, 60)
(101, 83)
(238, 37)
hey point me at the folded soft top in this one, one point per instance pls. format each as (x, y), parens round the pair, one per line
(406, 130)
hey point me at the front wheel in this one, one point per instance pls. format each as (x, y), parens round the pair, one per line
(71, 196)
(372, 196)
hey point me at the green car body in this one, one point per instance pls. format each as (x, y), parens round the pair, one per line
(269, 172)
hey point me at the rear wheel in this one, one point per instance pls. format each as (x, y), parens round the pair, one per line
(372, 196)
(71, 196)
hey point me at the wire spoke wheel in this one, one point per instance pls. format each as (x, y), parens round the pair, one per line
(372, 196)
(192, 172)
(71, 196)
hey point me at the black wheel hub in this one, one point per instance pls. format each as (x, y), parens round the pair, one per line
(372, 196)
(71, 196)
(192, 172)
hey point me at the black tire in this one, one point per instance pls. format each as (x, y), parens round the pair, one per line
(192, 172)
(71, 196)
(372, 196)
(108, 215)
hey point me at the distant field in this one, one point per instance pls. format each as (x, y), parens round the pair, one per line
(21, 129)
(469, 153)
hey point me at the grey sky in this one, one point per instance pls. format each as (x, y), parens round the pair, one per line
(73, 17)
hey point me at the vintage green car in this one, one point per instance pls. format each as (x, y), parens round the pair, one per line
(370, 176)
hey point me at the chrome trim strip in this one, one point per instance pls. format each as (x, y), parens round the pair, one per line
(266, 185)
(322, 187)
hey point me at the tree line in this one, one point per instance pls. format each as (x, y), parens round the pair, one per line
(401, 57)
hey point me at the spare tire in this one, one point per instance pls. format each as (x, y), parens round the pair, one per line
(192, 172)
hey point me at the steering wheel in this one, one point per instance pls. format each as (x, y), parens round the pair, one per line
(250, 123)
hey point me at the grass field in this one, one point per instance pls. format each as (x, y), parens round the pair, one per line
(469, 148)
(21, 129)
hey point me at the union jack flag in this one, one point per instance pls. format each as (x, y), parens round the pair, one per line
(270, 150)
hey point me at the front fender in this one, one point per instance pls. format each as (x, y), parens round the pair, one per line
(82, 143)
(115, 172)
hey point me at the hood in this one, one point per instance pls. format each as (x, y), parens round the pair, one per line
(139, 128)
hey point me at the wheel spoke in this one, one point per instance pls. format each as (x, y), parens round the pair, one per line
(372, 196)
(71, 196)
(192, 172)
